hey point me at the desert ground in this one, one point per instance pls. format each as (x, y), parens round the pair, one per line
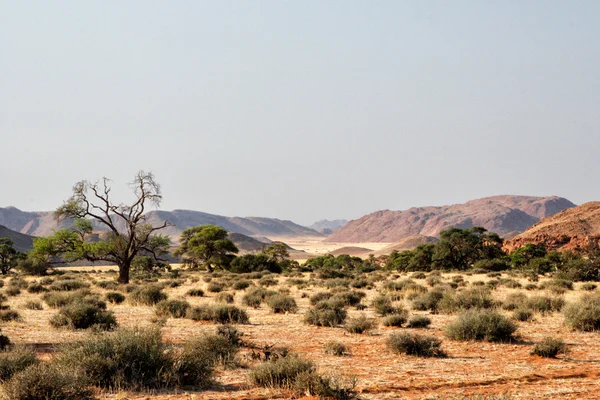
(472, 369)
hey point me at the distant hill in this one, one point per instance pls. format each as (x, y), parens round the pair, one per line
(500, 214)
(407, 243)
(327, 227)
(351, 251)
(43, 223)
(21, 242)
(568, 230)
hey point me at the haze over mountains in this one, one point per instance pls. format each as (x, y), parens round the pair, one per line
(500, 214)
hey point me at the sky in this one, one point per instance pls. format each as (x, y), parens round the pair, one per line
(300, 110)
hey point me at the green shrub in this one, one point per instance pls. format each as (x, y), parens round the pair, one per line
(220, 313)
(419, 321)
(14, 361)
(481, 325)
(544, 304)
(43, 381)
(280, 303)
(57, 300)
(549, 348)
(466, 299)
(172, 308)
(522, 314)
(584, 314)
(255, 297)
(313, 384)
(320, 296)
(195, 292)
(326, 313)
(69, 285)
(215, 287)
(147, 295)
(280, 373)
(396, 320)
(514, 301)
(429, 300)
(383, 305)
(589, 286)
(115, 297)
(83, 316)
(241, 285)
(335, 348)
(359, 325)
(111, 285)
(36, 287)
(417, 345)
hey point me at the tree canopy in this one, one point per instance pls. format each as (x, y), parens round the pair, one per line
(208, 246)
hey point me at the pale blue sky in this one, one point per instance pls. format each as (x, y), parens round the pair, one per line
(300, 109)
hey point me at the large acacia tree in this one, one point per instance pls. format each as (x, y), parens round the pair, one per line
(129, 234)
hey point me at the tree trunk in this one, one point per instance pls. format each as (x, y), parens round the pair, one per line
(124, 273)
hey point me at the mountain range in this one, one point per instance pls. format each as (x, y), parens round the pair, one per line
(500, 214)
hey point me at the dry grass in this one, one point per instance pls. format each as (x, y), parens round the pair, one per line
(471, 367)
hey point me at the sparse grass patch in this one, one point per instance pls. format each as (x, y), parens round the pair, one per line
(219, 313)
(147, 295)
(416, 345)
(172, 308)
(44, 381)
(83, 316)
(335, 348)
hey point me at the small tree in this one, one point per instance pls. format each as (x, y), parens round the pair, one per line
(9, 257)
(129, 234)
(276, 252)
(206, 245)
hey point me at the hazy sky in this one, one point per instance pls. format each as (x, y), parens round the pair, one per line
(300, 110)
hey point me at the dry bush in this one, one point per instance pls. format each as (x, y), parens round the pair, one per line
(416, 345)
(484, 325)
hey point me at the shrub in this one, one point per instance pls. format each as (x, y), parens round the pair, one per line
(326, 313)
(550, 348)
(320, 296)
(57, 300)
(280, 373)
(115, 297)
(256, 297)
(359, 325)
(584, 314)
(220, 313)
(4, 341)
(241, 284)
(195, 292)
(481, 325)
(383, 305)
(311, 383)
(396, 320)
(416, 345)
(280, 303)
(544, 304)
(36, 287)
(429, 300)
(522, 314)
(17, 360)
(466, 299)
(112, 285)
(9, 315)
(514, 301)
(172, 308)
(29, 267)
(215, 287)
(589, 286)
(211, 350)
(83, 316)
(34, 305)
(12, 291)
(68, 285)
(124, 359)
(43, 381)
(336, 349)
(419, 321)
(224, 297)
(147, 295)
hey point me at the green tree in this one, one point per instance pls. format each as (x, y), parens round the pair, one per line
(523, 255)
(129, 234)
(9, 256)
(422, 258)
(461, 248)
(276, 252)
(206, 245)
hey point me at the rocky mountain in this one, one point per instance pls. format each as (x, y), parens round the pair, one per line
(327, 227)
(43, 223)
(21, 242)
(500, 214)
(570, 229)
